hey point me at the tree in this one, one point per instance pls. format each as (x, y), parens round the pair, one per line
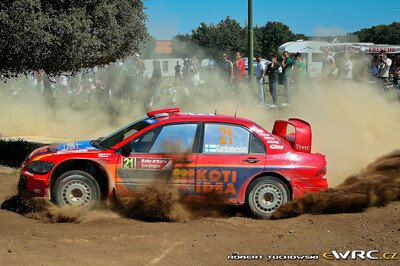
(269, 37)
(225, 37)
(380, 34)
(183, 46)
(67, 35)
(211, 40)
(229, 37)
(147, 47)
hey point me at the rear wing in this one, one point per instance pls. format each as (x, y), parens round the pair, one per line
(300, 140)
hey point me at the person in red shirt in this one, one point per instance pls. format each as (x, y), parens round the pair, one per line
(239, 71)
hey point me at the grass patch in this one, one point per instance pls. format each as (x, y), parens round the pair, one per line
(14, 152)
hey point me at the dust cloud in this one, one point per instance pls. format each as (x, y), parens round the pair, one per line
(25, 112)
(353, 123)
(376, 185)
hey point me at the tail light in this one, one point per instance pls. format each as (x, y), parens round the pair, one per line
(321, 173)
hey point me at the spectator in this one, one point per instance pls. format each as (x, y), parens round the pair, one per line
(186, 71)
(299, 71)
(195, 71)
(142, 75)
(328, 64)
(239, 71)
(273, 71)
(375, 66)
(287, 64)
(260, 72)
(228, 70)
(347, 67)
(155, 82)
(177, 72)
(49, 91)
(396, 72)
(383, 73)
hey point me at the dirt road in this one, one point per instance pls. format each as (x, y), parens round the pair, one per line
(105, 238)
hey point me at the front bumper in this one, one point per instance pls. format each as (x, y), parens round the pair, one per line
(33, 185)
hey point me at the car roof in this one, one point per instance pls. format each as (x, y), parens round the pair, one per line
(205, 118)
(174, 115)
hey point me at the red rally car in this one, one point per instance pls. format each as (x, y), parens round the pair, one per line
(200, 154)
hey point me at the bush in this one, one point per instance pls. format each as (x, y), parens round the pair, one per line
(14, 152)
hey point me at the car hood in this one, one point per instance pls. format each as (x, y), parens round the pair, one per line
(74, 146)
(64, 148)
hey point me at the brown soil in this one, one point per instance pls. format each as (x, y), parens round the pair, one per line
(103, 237)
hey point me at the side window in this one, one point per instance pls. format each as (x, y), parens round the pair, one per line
(225, 139)
(256, 146)
(143, 143)
(175, 139)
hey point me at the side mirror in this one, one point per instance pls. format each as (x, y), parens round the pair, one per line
(126, 149)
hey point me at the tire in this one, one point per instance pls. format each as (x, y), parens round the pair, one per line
(264, 195)
(76, 188)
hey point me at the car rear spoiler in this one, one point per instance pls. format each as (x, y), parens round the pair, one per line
(300, 140)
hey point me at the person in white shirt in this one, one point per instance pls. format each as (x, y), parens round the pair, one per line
(384, 67)
(347, 67)
(260, 72)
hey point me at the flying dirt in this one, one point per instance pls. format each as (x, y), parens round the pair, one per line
(376, 185)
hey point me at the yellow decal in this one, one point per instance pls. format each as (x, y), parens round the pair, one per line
(225, 132)
(128, 163)
(207, 181)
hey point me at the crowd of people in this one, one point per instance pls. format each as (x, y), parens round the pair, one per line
(291, 71)
(130, 82)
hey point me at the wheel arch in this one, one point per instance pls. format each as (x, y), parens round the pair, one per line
(91, 167)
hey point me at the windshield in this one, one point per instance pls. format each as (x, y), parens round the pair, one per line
(124, 133)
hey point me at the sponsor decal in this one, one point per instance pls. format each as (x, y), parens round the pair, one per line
(76, 146)
(276, 147)
(207, 181)
(194, 114)
(302, 148)
(215, 148)
(150, 121)
(104, 155)
(71, 145)
(378, 49)
(72, 151)
(163, 164)
(273, 142)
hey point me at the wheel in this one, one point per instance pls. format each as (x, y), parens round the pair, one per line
(265, 195)
(76, 188)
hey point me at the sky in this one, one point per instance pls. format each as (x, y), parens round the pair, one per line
(167, 18)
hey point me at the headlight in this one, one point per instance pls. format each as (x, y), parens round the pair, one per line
(39, 167)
